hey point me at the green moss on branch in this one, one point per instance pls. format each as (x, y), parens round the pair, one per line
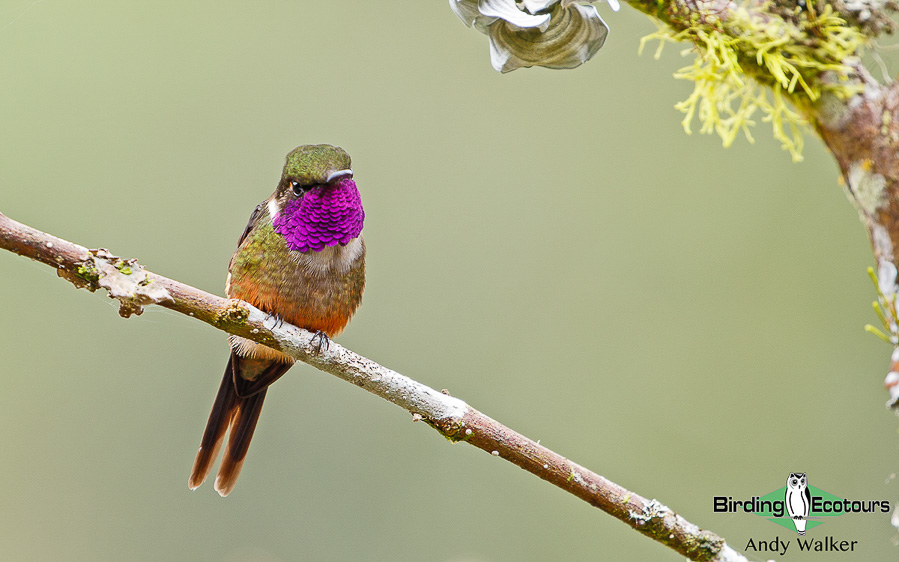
(751, 59)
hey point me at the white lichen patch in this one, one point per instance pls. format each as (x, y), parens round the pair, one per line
(352, 367)
(653, 509)
(880, 239)
(886, 278)
(126, 281)
(576, 476)
(867, 186)
(833, 111)
(891, 383)
(864, 8)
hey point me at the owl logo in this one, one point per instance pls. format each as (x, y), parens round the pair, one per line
(798, 500)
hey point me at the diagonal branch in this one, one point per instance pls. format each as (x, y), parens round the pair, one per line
(127, 281)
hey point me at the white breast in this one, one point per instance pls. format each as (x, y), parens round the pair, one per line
(332, 259)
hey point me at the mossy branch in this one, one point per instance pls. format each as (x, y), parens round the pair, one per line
(134, 287)
(758, 57)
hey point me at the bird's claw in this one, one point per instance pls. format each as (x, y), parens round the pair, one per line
(323, 341)
(278, 321)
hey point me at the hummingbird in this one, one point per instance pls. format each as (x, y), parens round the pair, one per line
(301, 259)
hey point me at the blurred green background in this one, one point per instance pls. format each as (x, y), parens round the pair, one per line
(548, 245)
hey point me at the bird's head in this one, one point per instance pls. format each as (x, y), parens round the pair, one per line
(317, 204)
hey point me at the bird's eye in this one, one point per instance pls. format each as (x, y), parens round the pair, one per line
(297, 188)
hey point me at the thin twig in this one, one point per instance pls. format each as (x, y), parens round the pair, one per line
(127, 281)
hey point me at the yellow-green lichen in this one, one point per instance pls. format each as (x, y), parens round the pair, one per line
(88, 273)
(885, 305)
(749, 60)
(450, 429)
(232, 314)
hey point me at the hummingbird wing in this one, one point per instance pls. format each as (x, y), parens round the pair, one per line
(237, 406)
(250, 223)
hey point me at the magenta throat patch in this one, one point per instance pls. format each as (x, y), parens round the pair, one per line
(323, 216)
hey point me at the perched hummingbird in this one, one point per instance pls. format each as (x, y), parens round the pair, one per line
(301, 259)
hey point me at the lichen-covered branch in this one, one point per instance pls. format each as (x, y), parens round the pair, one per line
(759, 58)
(862, 133)
(135, 288)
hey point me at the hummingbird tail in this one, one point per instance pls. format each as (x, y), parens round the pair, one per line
(242, 426)
(237, 406)
(226, 402)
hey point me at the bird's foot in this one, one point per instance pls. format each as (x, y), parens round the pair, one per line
(272, 317)
(323, 341)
